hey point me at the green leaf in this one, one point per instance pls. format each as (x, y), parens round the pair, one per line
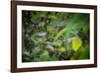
(44, 56)
(62, 49)
(57, 43)
(60, 33)
(52, 17)
(50, 29)
(42, 24)
(53, 58)
(76, 43)
(85, 52)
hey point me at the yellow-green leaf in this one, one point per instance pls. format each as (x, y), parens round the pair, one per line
(44, 56)
(50, 29)
(59, 34)
(42, 24)
(76, 43)
(62, 49)
(57, 43)
(52, 17)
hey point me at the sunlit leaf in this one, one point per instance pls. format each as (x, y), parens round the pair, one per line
(76, 43)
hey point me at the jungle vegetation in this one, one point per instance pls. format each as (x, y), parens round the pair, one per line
(55, 36)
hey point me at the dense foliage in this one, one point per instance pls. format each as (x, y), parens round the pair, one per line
(53, 36)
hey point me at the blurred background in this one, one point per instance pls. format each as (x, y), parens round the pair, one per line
(53, 36)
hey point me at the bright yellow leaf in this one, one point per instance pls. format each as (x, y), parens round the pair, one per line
(76, 43)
